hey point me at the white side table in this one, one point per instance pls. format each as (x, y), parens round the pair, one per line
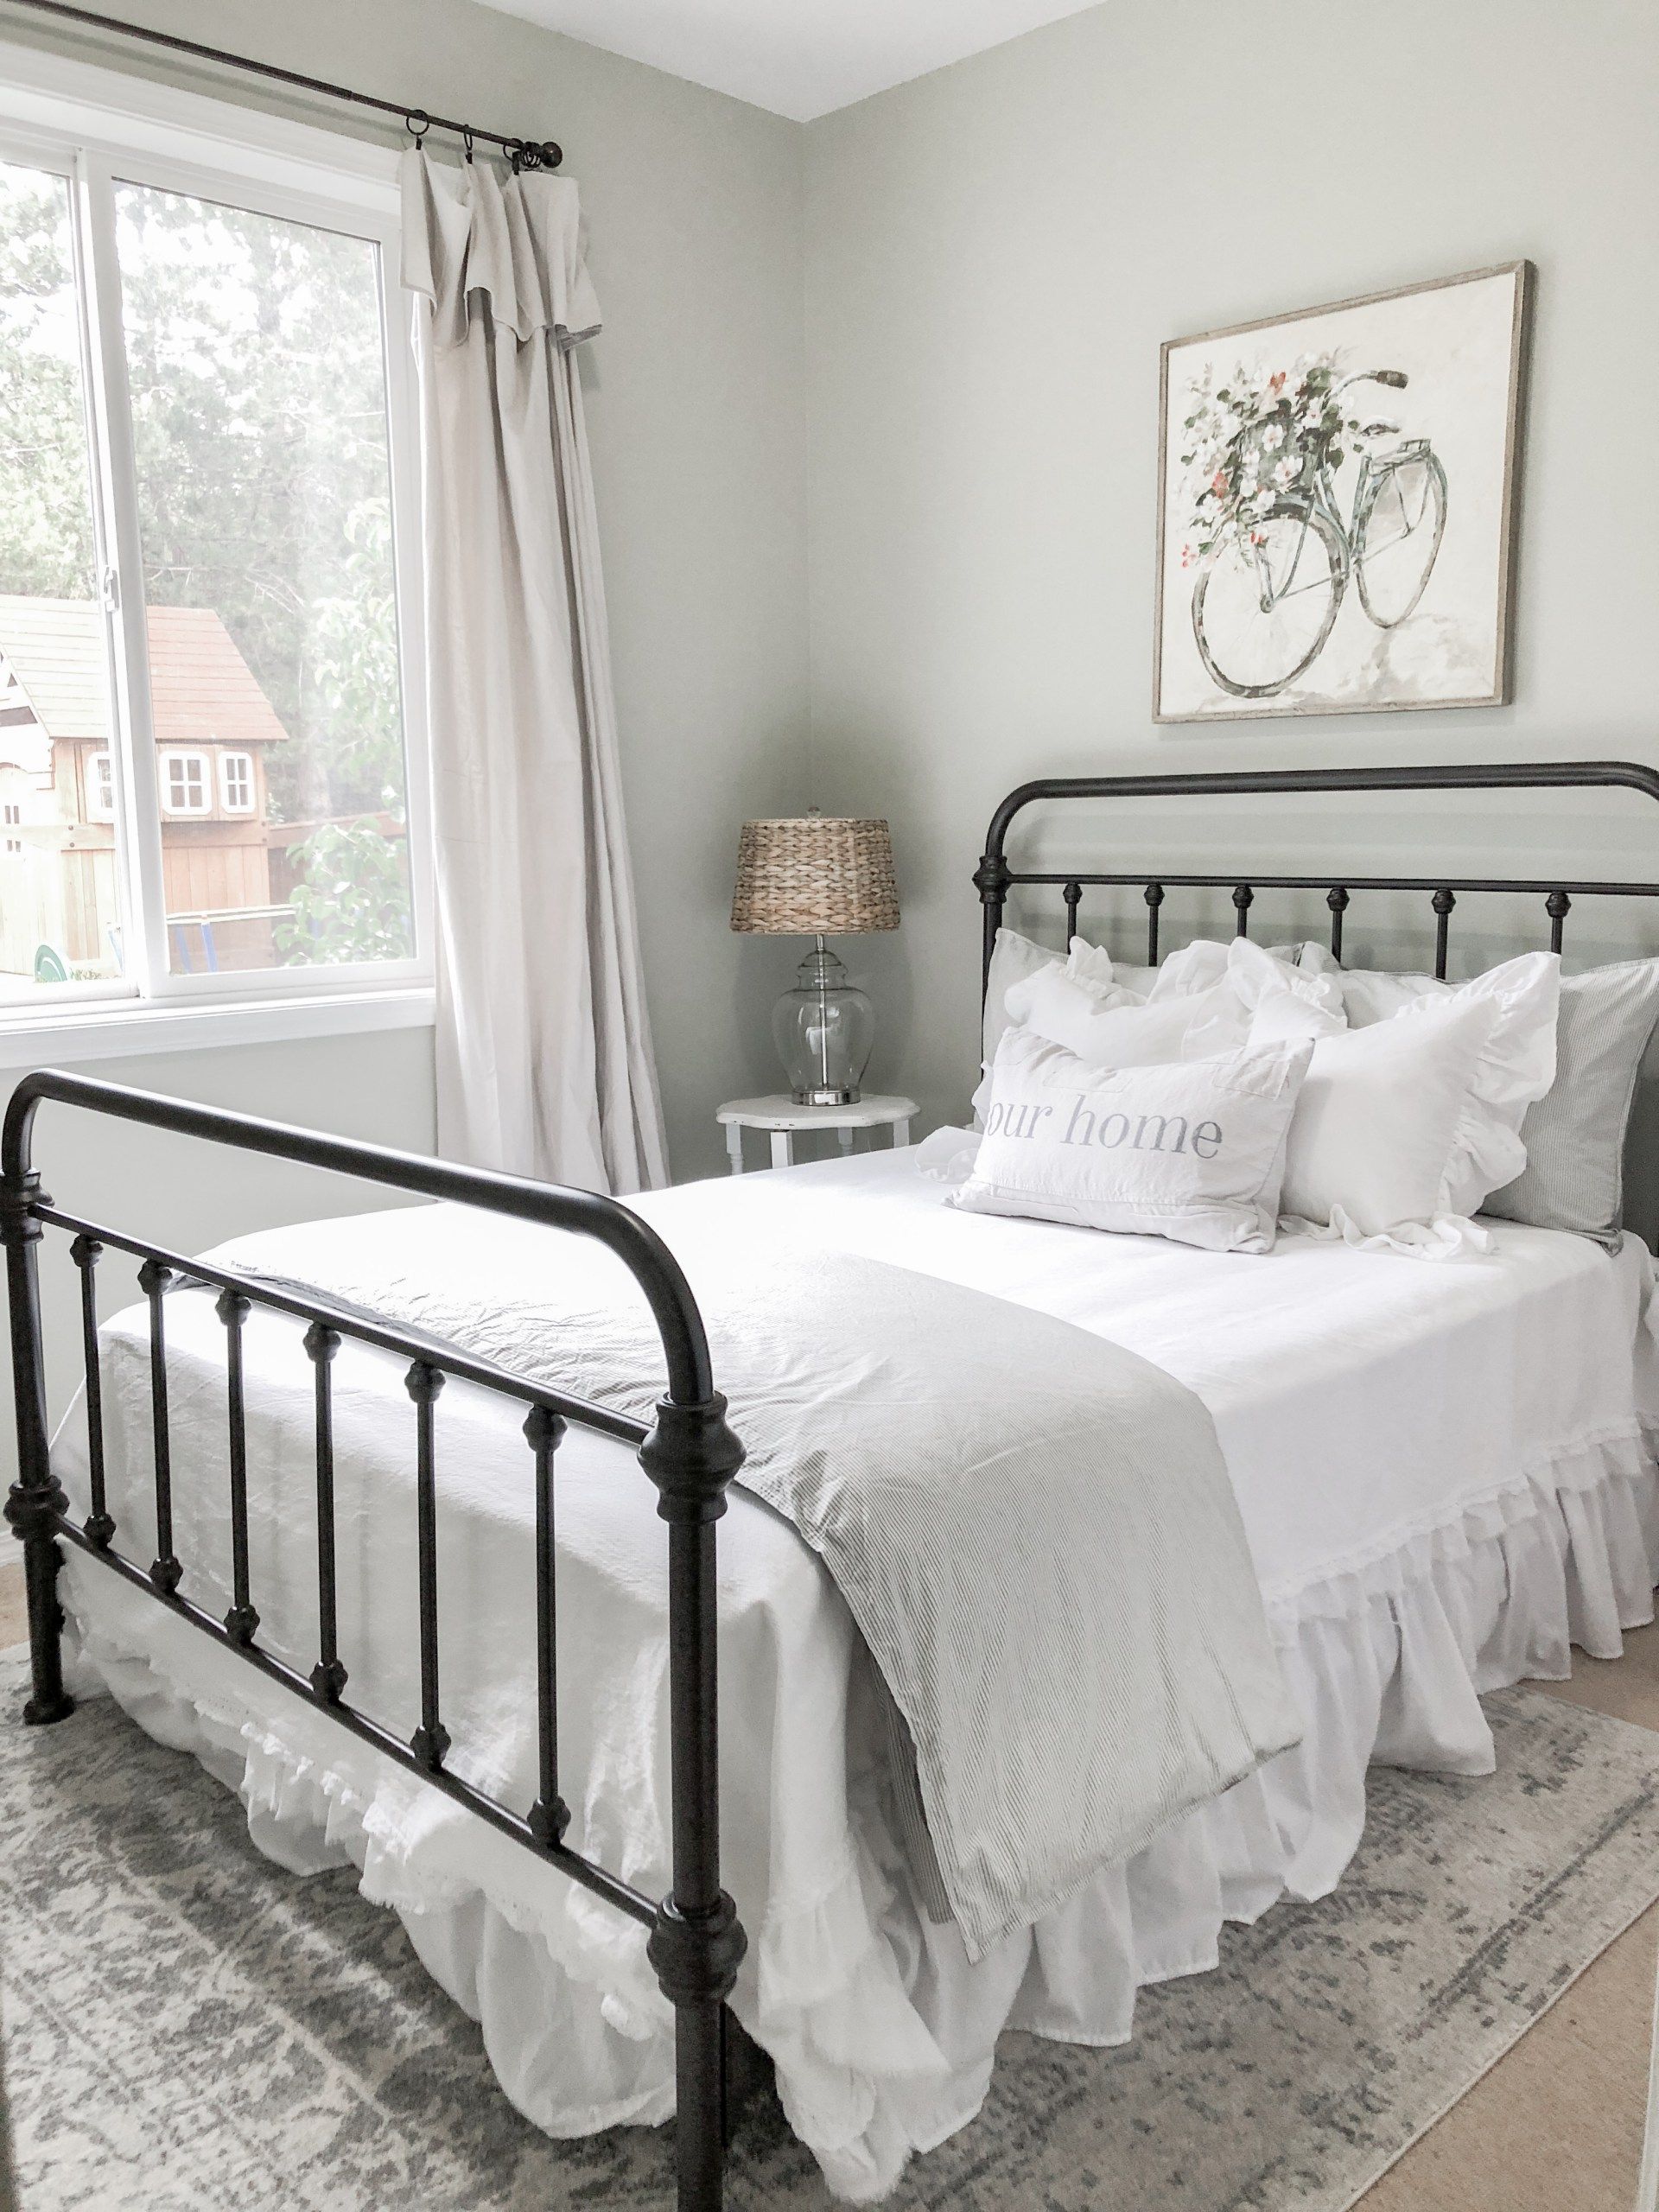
(784, 1119)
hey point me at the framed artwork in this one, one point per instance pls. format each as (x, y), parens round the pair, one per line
(1336, 499)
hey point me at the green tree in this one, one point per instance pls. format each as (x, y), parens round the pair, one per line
(46, 514)
(256, 381)
(354, 902)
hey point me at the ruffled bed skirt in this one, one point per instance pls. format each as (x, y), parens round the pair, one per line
(882, 2032)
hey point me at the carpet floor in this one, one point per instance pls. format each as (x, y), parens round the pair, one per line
(187, 2027)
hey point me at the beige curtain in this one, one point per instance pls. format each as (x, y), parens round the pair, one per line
(543, 1051)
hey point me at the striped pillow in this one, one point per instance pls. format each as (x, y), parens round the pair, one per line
(1574, 1135)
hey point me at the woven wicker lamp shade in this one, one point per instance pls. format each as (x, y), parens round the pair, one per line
(814, 875)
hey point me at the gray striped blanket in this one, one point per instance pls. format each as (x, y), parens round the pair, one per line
(1032, 1529)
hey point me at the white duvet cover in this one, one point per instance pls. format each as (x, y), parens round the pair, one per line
(1443, 1475)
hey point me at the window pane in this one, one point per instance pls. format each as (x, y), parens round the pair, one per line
(259, 417)
(60, 921)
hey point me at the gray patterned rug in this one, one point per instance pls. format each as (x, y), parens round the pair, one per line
(188, 2028)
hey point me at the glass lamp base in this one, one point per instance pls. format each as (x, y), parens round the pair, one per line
(823, 1029)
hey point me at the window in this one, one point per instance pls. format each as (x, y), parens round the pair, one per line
(14, 811)
(100, 788)
(205, 560)
(184, 783)
(236, 782)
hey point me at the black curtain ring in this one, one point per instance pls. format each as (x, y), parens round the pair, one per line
(467, 143)
(417, 123)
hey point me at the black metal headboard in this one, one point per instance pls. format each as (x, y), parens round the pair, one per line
(995, 878)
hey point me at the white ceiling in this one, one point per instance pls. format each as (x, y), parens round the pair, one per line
(799, 58)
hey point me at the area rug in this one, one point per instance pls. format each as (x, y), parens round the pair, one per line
(189, 2028)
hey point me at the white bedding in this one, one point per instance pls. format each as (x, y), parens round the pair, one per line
(1442, 1474)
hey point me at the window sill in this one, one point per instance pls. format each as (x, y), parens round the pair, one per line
(69, 1034)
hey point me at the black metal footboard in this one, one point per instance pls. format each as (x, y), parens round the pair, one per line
(689, 1451)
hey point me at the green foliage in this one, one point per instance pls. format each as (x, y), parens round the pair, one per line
(259, 404)
(258, 412)
(354, 901)
(46, 515)
(256, 380)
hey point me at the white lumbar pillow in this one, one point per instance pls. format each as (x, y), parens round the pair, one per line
(1192, 1150)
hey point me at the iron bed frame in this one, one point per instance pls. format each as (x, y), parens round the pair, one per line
(696, 1942)
(994, 877)
(689, 1453)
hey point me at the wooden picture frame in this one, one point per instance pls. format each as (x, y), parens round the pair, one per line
(1337, 508)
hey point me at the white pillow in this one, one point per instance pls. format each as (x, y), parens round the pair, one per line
(1249, 996)
(1194, 1150)
(1196, 966)
(1377, 1151)
(1283, 1001)
(1013, 958)
(1516, 1066)
(1111, 1032)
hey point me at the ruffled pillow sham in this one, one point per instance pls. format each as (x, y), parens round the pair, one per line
(1574, 1135)
(1242, 994)
(1414, 1118)
(1013, 959)
(1016, 958)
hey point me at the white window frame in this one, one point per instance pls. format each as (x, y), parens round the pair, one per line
(100, 785)
(242, 761)
(96, 128)
(184, 758)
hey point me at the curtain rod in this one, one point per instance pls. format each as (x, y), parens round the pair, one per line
(525, 153)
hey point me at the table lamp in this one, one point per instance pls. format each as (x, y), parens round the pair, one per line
(818, 876)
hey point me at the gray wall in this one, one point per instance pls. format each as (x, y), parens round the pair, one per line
(994, 254)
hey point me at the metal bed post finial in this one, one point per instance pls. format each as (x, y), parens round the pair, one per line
(697, 1943)
(991, 879)
(36, 1499)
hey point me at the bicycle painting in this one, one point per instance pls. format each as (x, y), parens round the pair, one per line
(1337, 516)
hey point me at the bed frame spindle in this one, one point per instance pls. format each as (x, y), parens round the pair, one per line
(550, 1816)
(242, 1619)
(1336, 899)
(154, 1279)
(85, 1252)
(1154, 897)
(430, 1741)
(328, 1675)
